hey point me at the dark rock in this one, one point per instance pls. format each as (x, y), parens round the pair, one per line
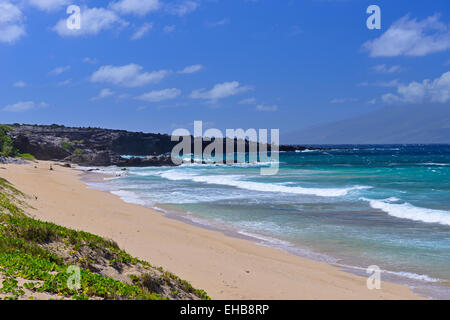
(41, 147)
(103, 147)
(64, 165)
(13, 161)
(293, 148)
(96, 159)
(91, 146)
(30, 137)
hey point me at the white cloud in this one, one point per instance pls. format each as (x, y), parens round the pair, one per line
(49, 5)
(262, 107)
(218, 23)
(160, 95)
(182, 7)
(409, 37)
(104, 93)
(437, 90)
(20, 106)
(146, 27)
(90, 60)
(9, 12)
(343, 100)
(19, 84)
(372, 101)
(391, 83)
(382, 68)
(390, 98)
(248, 101)
(59, 70)
(130, 75)
(93, 21)
(11, 23)
(191, 69)
(220, 91)
(137, 7)
(65, 82)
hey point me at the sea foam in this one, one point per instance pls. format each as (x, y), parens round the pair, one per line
(129, 197)
(239, 182)
(408, 211)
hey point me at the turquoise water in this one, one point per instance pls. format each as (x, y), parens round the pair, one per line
(351, 206)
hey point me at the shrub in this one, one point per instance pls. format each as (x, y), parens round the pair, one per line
(78, 151)
(6, 144)
(27, 156)
(66, 145)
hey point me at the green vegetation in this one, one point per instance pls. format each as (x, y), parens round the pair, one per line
(6, 144)
(70, 146)
(78, 142)
(26, 156)
(66, 145)
(78, 151)
(41, 253)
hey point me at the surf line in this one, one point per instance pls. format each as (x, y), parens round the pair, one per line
(236, 142)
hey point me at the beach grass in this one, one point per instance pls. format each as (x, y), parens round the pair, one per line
(39, 254)
(26, 156)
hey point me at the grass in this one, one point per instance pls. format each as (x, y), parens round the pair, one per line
(26, 252)
(27, 156)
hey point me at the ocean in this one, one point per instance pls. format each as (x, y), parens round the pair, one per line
(350, 206)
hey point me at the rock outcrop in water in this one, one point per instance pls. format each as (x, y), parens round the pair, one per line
(100, 147)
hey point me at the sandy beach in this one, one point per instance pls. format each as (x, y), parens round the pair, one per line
(224, 266)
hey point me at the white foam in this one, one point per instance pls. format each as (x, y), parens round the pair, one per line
(414, 276)
(265, 239)
(129, 197)
(146, 174)
(409, 275)
(238, 182)
(112, 171)
(81, 168)
(209, 164)
(306, 150)
(408, 211)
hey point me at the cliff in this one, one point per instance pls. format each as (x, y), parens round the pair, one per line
(91, 146)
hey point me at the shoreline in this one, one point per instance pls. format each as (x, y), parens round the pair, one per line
(224, 266)
(428, 289)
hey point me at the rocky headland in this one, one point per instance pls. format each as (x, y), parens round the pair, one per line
(99, 147)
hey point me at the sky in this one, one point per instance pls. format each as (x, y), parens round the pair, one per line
(158, 65)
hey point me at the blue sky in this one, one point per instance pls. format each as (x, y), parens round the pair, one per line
(155, 66)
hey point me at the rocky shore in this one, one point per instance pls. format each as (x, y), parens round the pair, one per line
(99, 147)
(92, 146)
